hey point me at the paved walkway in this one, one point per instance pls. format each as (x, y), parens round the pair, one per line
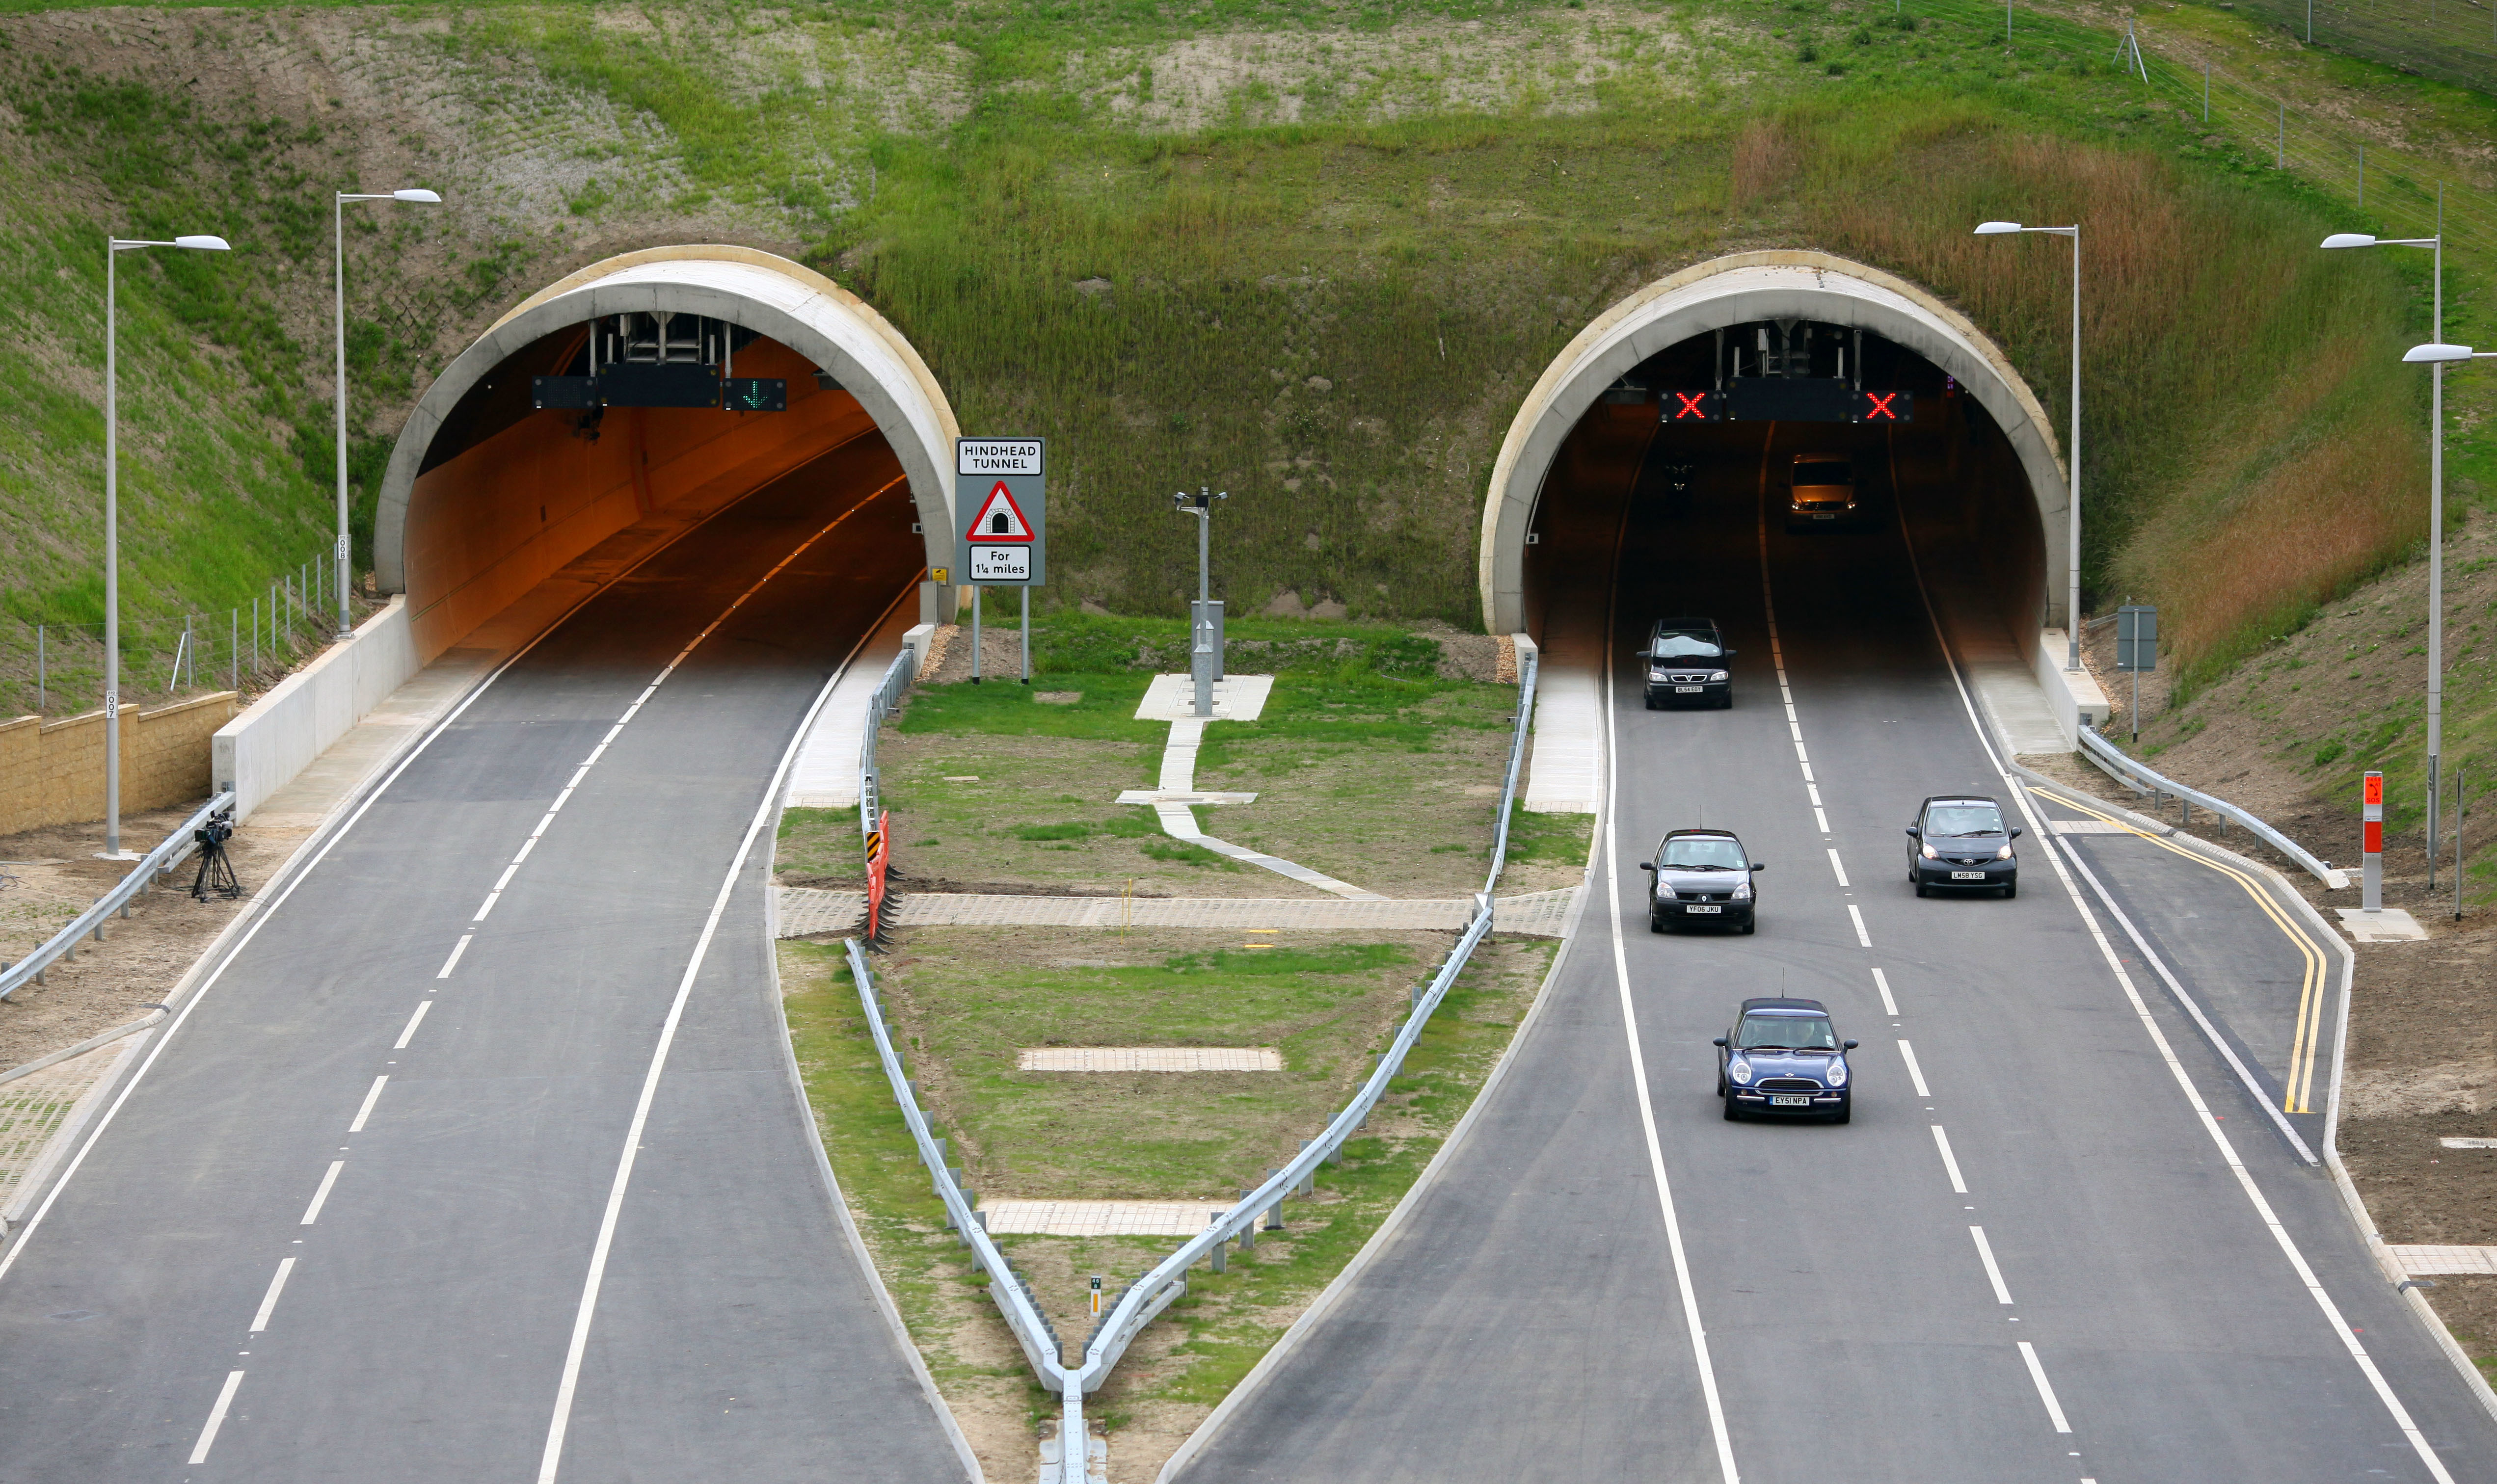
(1239, 698)
(2426, 1261)
(1148, 1058)
(1100, 1218)
(806, 912)
(824, 775)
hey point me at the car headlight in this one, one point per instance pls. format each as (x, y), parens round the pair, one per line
(1929, 853)
(1836, 1076)
(1657, 674)
(1739, 1070)
(1716, 675)
(2004, 854)
(1743, 891)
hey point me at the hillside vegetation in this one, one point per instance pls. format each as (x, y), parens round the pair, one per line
(1312, 256)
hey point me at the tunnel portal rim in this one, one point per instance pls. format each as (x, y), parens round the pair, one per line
(1741, 289)
(774, 297)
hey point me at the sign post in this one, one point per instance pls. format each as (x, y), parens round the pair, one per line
(2372, 825)
(2137, 649)
(1000, 494)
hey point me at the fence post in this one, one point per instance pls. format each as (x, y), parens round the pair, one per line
(234, 646)
(42, 702)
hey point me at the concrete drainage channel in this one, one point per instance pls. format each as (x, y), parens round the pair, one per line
(1137, 1304)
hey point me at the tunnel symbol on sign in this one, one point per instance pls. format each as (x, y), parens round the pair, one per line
(1001, 519)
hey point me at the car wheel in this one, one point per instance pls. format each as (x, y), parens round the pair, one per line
(1725, 705)
(1733, 1111)
(1749, 926)
(1721, 1084)
(1923, 890)
(1655, 924)
(1845, 1114)
(2010, 889)
(1651, 703)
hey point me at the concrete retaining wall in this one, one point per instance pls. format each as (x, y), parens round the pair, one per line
(51, 773)
(261, 751)
(2074, 695)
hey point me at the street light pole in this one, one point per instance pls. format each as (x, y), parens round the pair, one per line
(1205, 642)
(338, 224)
(2073, 451)
(114, 247)
(2435, 503)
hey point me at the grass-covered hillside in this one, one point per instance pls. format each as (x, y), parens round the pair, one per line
(1311, 254)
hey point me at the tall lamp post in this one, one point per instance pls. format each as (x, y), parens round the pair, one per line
(2435, 503)
(115, 248)
(2073, 452)
(338, 220)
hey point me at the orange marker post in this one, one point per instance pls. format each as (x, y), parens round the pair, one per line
(2372, 816)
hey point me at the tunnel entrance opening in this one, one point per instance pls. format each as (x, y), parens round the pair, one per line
(663, 386)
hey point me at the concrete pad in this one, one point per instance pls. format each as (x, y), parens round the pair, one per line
(1181, 796)
(1149, 1058)
(825, 774)
(2392, 925)
(2468, 1143)
(2090, 826)
(2418, 1261)
(1100, 1218)
(1562, 772)
(1236, 698)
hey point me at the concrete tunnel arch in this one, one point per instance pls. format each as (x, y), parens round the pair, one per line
(1741, 289)
(455, 581)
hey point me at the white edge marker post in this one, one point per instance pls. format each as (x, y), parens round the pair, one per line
(2372, 824)
(216, 1417)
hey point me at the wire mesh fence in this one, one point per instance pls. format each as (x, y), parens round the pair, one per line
(2453, 41)
(57, 669)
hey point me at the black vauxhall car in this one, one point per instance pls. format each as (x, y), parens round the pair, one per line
(1959, 842)
(1701, 876)
(1685, 661)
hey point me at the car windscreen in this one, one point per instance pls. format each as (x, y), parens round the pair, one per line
(1828, 471)
(1703, 852)
(1799, 1032)
(1955, 819)
(1672, 646)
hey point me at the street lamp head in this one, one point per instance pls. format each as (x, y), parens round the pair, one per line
(1995, 229)
(2430, 354)
(2350, 239)
(417, 197)
(203, 243)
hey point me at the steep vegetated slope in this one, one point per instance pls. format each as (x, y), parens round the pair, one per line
(1312, 255)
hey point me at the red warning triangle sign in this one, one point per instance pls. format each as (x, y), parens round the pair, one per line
(999, 519)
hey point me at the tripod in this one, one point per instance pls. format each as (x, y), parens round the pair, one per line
(216, 871)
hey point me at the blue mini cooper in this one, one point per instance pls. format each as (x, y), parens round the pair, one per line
(1784, 1057)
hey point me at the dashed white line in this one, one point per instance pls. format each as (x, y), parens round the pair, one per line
(1993, 1269)
(371, 1097)
(1855, 914)
(1834, 864)
(506, 878)
(451, 963)
(269, 1299)
(1916, 1073)
(216, 1418)
(312, 1213)
(413, 1021)
(1882, 982)
(1942, 1141)
(529, 844)
(490, 898)
(1821, 819)
(2045, 1392)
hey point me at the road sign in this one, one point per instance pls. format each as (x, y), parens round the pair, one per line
(1001, 498)
(2136, 636)
(1788, 399)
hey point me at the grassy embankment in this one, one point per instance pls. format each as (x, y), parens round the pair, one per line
(1317, 271)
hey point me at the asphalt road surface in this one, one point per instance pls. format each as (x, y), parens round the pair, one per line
(275, 1265)
(2037, 1262)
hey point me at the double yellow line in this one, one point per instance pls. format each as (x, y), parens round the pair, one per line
(2299, 1086)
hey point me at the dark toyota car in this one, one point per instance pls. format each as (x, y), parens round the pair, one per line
(1700, 877)
(1783, 1056)
(1959, 842)
(1685, 661)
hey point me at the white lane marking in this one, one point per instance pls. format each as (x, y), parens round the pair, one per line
(1942, 1141)
(560, 801)
(2210, 1031)
(1882, 982)
(1993, 1270)
(490, 898)
(1855, 915)
(542, 825)
(505, 879)
(1814, 789)
(1834, 862)
(527, 845)
(1821, 819)
(1789, 695)
(1796, 730)
(2358, 1356)
(269, 1299)
(2045, 1392)
(413, 1021)
(216, 1418)
(1916, 1073)
(1807, 773)
(451, 963)
(312, 1213)
(376, 1094)
(1646, 1102)
(591, 761)
(1802, 756)
(576, 777)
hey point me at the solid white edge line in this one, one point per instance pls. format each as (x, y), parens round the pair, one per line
(1916, 1073)
(527, 845)
(413, 1021)
(375, 1095)
(1834, 864)
(509, 871)
(456, 949)
(216, 1418)
(2210, 1033)
(2045, 1392)
(1855, 915)
(1942, 1141)
(269, 1299)
(1882, 982)
(1993, 1269)
(312, 1213)
(2288, 1245)
(1638, 1079)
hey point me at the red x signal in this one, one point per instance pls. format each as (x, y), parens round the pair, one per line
(1693, 407)
(1877, 406)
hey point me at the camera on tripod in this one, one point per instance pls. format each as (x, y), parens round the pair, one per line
(216, 871)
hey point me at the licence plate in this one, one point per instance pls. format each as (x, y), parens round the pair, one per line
(1682, 689)
(1796, 1102)
(1703, 909)
(1818, 516)
(1968, 876)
